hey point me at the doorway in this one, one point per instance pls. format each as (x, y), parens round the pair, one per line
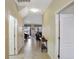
(12, 35)
(65, 32)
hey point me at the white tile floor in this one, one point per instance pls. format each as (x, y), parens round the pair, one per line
(31, 51)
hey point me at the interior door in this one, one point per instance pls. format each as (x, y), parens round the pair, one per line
(66, 36)
(11, 35)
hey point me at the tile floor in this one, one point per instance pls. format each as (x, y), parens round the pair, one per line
(31, 51)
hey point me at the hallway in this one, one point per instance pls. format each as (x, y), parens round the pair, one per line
(33, 51)
(40, 18)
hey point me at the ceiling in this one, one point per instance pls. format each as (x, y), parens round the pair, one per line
(24, 7)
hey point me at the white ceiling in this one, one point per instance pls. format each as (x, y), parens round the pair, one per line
(29, 16)
(39, 4)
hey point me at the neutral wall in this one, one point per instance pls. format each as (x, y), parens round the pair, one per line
(11, 9)
(33, 19)
(49, 24)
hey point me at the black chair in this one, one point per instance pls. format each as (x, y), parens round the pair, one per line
(38, 35)
(26, 36)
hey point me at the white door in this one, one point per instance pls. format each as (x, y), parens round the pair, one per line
(11, 35)
(66, 36)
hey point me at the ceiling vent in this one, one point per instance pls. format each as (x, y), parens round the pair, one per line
(23, 0)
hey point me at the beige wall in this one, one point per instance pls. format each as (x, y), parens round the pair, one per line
(49, 24)
(11, 9)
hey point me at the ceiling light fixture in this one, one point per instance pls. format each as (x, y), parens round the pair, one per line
(35, 10)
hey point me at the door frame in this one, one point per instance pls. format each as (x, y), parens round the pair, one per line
(15, 38)
(57, 22)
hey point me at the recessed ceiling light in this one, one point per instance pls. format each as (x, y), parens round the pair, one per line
(34, 10)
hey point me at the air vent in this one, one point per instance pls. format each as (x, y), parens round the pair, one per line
(23, 0)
